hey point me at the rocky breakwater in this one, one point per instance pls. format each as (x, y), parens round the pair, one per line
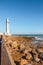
(23, 52)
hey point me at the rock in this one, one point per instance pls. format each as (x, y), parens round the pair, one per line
(32, 46)
(30, 49)
(16, 56)
(39, 50)
(42, 62)
(23, 62)
(29, 56)
(41, 56)
(28, 64)
(23, 56)
(5, 40)
(22, 47)
(8, 42)
(14, 45)
(37, 59)
(25, 51)
(34, 52)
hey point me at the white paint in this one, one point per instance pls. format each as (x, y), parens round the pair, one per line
(7, 26)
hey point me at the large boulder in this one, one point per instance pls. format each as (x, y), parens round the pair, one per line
(37, 59)
(30, 49)
(22, 47)
(26, 51)
(9, 43)
(34, 52)
(23, 62)
(41, 56)
(28, 64)
(40, 50)
(29, 56)
(14, 45)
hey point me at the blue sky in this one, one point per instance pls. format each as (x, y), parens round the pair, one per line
(25, 16)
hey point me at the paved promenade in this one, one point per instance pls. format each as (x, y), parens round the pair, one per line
(4, 56)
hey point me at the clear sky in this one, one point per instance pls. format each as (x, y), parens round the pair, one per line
(25, 16)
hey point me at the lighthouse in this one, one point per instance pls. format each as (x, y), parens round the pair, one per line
(7, 26)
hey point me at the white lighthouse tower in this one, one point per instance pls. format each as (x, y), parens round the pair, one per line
(7, 26)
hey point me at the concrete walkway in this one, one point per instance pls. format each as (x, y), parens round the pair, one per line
(6, 59)
(4, 56)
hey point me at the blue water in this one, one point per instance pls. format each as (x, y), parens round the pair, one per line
(38, 37)
(28, 34)
(33, 35)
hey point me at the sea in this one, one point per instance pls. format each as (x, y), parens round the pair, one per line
(38, 37)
